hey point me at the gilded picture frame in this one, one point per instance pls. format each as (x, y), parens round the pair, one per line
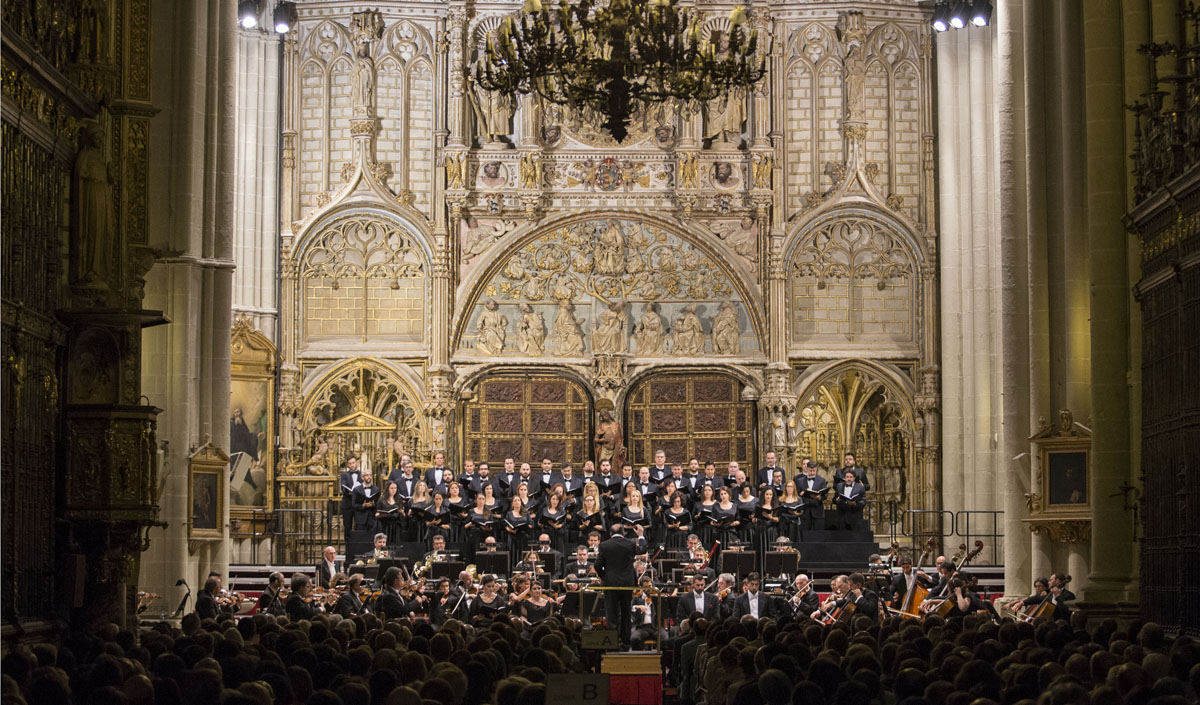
(206, 493)
(252, 461)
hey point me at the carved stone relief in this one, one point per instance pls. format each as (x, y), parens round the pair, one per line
(672, 291)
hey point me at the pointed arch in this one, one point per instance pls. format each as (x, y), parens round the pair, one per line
(652, 261)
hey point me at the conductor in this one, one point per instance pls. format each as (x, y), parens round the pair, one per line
(614, 565)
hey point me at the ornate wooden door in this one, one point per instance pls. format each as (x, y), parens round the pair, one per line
(528, 417)
(688, 416)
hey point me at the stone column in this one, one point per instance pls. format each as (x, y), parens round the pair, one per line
(457, 53)
(1041, 563)
(1112, 530)
(1012, 481)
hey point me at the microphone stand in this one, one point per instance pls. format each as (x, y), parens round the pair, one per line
(183, 602)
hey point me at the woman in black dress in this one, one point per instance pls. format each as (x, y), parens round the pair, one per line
(459, 508)
(516, 523)
(747, 503)
(789, 512)
(703, 515)
(480, 524)
(437, 518)
(768, 520)
(678, 520)
(387, 512)
(725, 517)
(488, 603)
(553, 520)
(589, 517)
(416, 510)
(536, 607)
(633, 512)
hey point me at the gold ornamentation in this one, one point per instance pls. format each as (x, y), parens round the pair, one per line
(763, 166)
(456, 168)
(688, 170)
(1063, 530)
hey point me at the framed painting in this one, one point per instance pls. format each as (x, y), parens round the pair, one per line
(251, 471)
(206, 492)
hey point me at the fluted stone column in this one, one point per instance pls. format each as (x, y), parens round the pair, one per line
(1112, 531)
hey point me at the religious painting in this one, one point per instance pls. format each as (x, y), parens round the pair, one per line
(1067, 475)
(249, 441)
(251, 467)
(725, 176)
(206, 492)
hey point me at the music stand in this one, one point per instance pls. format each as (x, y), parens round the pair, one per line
(446, 569)
(492, 562)
(739, 563)
(780, 563)
(580, 603)
(549, 562)
(544, 579)
(384, 563)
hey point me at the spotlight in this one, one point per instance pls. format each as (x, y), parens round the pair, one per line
(248, 13)
(958, 14)
(283, 17)
(981, 12)
(941, 16)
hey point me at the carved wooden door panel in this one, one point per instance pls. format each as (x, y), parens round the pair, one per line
(528, 417)
(698, 416)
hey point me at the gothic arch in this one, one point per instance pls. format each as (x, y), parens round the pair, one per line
(869, 408)
(662, 263)
(856, 277)
(368, 259)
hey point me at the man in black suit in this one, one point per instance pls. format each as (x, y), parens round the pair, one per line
(326, 568)
(296, 607)
(649, 490)
(349, 479)
(812, 509)
(364, 502)
(481, 479)
(614, 565)
(693, 477)
(505, 479)
(350, 604)
(765, 472)
(526, 477)
(752, 602)
(710, 478)
(548, 555)
(468, 472)
(865, 601)
(860, 474)
(572, 483)
(433, 476)
(907, 578)
(605, 480)
(659, 472)
(696, 600)
(850, 500)
(581, 567)
(406, 479)
(206, 601)
(547, 478)
(808, 600)
(391, 603)
(269, 602)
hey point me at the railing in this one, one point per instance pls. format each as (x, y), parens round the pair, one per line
(951, 529)
(300, 534)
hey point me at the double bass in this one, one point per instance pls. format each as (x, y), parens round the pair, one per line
(910, 606)
(942, 606)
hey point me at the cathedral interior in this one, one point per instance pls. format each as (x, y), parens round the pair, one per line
(234, 258)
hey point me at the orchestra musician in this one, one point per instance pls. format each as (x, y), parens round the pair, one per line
(391, 603)
(270, 601)
(300, 604)
(965, 600)
(349, 604)
(326, 568)
(752, 602)
(643, 627)
(488, 603)
(906, 578)
(865, 601)
(581, 567)
(803, 599)
(696, 600)
(725, 595)
(837, 589)
(206, 601)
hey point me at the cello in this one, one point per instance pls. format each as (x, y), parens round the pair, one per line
(910, 606)
(942, 606)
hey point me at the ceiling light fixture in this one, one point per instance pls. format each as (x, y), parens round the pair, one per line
(248, 14)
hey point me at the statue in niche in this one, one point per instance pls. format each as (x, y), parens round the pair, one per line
(688, 332)
(610, 250)
(493, 113)
(724, 116)
(609, 444)
(491, 327)
(854, 71)
(362, 82)
(650, 332)
(531, 331)
(609, 335)
(567, 331)
(92, 235)
(726, 335)
(779, 433)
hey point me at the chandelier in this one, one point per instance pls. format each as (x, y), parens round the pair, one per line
(611, 63)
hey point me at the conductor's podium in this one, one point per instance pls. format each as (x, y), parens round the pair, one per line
(635, 677)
